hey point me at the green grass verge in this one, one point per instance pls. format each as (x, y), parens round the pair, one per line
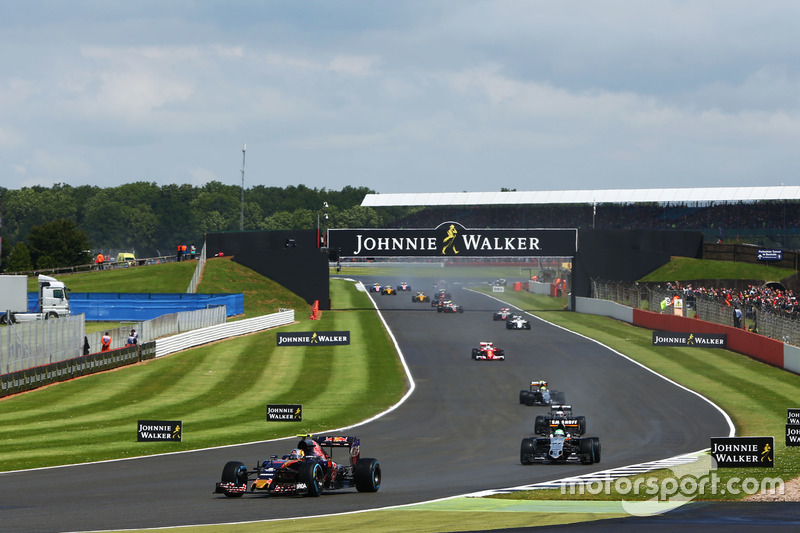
(685, 268)
(165, 277)
(754, 394)
(216, 390)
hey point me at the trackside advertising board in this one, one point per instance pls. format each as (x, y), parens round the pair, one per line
(793, 427)
(159, 430)
(692, 340)
(314, 338)
(284, 412)
(453, 239)
(743, 452)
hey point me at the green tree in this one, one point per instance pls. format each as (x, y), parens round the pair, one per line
(279, 220)
(59, 243)
(19, 260)
(356, 217)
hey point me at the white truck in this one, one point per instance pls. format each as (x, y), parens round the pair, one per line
(53, 299)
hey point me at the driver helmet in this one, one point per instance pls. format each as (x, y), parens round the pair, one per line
(297, 453)
(559, 413)
(559, 433)
(542, 388)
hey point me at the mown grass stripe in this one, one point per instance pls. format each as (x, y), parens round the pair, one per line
(219, 391)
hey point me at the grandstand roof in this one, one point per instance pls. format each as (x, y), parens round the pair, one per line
(598, 196)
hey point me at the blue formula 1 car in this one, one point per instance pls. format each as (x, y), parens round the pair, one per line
(307, 470)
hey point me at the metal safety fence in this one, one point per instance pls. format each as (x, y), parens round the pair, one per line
(198, 271)
(162, 326)
(40, 342)
(754, 317)
(29, 344)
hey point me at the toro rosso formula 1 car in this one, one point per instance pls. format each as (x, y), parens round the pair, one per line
(539, 394)
(440, 297)
(560, 447)
(517, 322)
(560, 417)
(488, 352)
(307, 471)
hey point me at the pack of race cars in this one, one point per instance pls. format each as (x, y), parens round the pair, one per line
(558, 436)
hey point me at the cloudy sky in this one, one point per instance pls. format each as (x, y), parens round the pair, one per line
(410, 96)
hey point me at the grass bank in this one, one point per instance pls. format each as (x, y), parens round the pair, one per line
(216, 390)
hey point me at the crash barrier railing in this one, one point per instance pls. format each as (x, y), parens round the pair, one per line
(40, 342)
(159, 327)
(184, 341)
(198, 271)
(768, 322)
(39, 376)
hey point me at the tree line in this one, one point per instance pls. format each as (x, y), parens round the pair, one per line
(64, 226)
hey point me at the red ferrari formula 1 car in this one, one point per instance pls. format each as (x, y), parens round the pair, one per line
(488, 352)
(307, 470)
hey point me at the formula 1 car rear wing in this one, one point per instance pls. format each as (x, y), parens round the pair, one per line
(541, 383)
(563, 407)
(331, 440)
(338, 441)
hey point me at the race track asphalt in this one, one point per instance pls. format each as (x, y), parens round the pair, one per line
(458, 433)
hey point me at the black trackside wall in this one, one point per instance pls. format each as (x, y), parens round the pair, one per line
(625, 255)
(302, 267)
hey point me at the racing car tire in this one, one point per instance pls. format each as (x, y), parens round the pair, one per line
(367, 475)
(539, 425)
(460, 309)
(234, 472)
(587, 451)
(523, 397)
(581, 424)
(526, 450)
(312, 475)
(438, 309)
(596, 448)
(509, 325)
(527, 326)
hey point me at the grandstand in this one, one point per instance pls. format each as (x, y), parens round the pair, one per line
(764, 216)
